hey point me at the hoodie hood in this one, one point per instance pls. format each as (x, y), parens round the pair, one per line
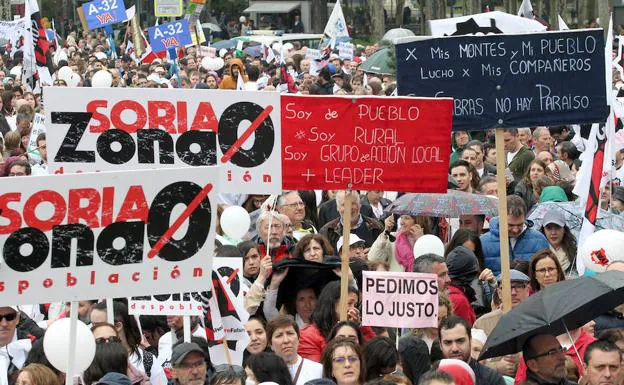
(454, 144)
(241, 67)
(462, 263)
(415, 356)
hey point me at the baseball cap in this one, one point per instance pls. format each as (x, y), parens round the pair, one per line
(514, 275)
(182, 350)
(554, 216)
(353, 239)
(113, 378)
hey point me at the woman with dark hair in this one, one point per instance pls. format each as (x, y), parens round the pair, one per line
(109, 357)
(561, 240)
(251, 260)
(267, 367)
(314, 337)
(313, 247)
(311, 210)
(524, 188)
(415, 357)
(256, 330)
(380, 358)
(130, 338)
(398, 250)
(544, 270)
(348, 330)
(343, 363)
(8, 103)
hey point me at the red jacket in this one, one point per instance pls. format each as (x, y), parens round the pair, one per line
(461, 305)
(312, 343)
(581, 343)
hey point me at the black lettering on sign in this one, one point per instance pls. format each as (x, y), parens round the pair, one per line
(264, 134)
(30, 259)
(125, 152)
(160, 216)
(145, 142)
(121, 243)
(204, 155)
(78, 122)
(62, 236)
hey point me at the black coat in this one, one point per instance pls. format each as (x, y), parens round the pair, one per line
(328, 211)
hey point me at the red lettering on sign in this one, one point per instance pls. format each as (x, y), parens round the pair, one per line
(205, 118)
(102, 119)
(14, 217)
(30, 207)
(134, 206)
(87, 213)
(137, 108)
(108, 197)
(165, 121)
(105, 18)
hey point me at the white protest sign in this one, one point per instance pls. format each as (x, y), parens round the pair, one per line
(399, 300)
(166, 304)
(227, 311)
(77, 237)
(345, 50)
(313, 54)
(38, 127)
(110, 129)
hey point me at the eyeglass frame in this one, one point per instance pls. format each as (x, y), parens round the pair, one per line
(551, 352)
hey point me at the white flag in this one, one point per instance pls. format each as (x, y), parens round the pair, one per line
(562, 24)
(526, 9)
(336, 25)
(240, 84)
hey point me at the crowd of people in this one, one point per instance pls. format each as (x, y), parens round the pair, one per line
(300, 340)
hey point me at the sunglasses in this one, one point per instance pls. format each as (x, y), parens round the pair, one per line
(9, 317)
(107, 340)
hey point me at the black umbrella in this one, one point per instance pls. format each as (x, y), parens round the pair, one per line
(555, 309)
(303, 274)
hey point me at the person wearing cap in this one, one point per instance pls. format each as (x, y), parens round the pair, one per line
(356, 247)
(519, 292)
(617, 200)
(189, 366)
(114, 378)
(14, 345)
(340, 82)
(560, 239)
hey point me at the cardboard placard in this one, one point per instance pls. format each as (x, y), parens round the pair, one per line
(107, 129)
(370, 143)
(510, 81)
(399, 300)
(76, 237)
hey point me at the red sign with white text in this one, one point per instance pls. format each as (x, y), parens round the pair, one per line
(368, 143)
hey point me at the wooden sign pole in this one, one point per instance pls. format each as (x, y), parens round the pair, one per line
(502, 218)
(344, 269)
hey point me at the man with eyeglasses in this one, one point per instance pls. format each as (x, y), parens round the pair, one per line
(14, 346)
(523, 240)
(283, 335)
(189, 364)
(545, 360)
(291, 205)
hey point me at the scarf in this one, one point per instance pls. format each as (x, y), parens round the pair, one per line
(404, 251)
(12, 357)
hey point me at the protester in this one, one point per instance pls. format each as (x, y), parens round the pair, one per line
(291, 205)
(455, 343)
(560, 239)
(545, 360)
(14, 340)
(463, 269)
(36, 374)
(434, 264)
(524, 240)
(380, 357)
(342, 362)
(602, 363)
(544, 270)
(274, 238)
(283, 334)
(188, 362)
(267, 367)
(525, 188)
(518, 155)
(313, 247)
(347, 329)
(399, 253)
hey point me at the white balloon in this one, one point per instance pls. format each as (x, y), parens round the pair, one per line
(56, 346)
(74, 80)
(65, 73)
(100, 55)
(235, 222)
(428, 244)
(102, 79)
(602, 248)
(16, 71)
(212, 63)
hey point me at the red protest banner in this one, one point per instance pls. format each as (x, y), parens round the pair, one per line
(371, 143)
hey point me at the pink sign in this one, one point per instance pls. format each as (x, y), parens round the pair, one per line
(400, 300)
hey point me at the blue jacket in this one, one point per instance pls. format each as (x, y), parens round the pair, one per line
(528, 243)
